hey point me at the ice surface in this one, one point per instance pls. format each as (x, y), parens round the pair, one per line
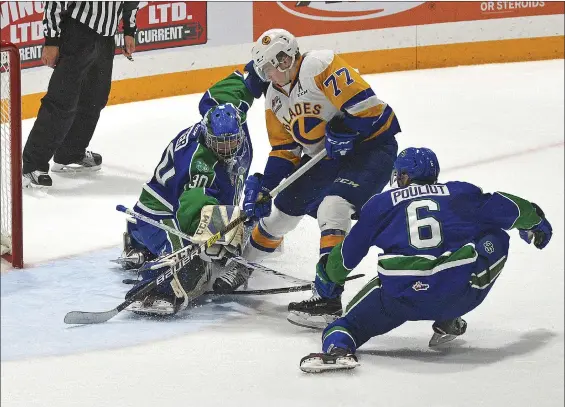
(499, 126)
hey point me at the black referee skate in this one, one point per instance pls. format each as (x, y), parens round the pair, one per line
(316, 312)
(447, 331)
(336, 359)
(89, 162)
(36, 179)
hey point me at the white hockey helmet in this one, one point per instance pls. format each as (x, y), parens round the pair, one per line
(270, 50)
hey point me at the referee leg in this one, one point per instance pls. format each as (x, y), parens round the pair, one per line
(93, 98)
(58, 106)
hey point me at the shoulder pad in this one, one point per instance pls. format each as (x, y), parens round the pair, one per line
(314, 63)
(463, 186)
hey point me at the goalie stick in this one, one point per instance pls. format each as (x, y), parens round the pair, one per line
(230, 256)
(262, 291)
(183, 256)
(281, 290)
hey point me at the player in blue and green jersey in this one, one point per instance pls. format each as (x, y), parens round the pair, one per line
(444, 246)
(204, 166)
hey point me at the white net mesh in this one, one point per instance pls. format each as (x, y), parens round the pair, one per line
(6, 158)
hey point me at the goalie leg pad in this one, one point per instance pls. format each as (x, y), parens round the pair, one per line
(173, 294)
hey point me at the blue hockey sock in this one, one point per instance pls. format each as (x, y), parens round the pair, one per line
(336, 336)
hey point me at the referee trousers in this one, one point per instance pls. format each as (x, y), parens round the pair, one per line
(78, 91)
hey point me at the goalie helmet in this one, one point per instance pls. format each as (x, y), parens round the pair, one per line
(223, 133)
(275, 49)
(419, 164)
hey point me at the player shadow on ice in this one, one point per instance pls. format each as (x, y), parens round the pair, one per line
(456, 355)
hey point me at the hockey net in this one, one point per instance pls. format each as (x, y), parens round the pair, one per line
(11, 242)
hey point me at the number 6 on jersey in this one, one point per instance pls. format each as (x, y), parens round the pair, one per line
(417, 225)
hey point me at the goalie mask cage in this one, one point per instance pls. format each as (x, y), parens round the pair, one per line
(10, 162)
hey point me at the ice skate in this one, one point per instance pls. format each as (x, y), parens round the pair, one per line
(36, 179)
(231, 280)
(132, 257)
(336, 359)
(90, 162)
(447, 331)
(156, 305)
(316, 312)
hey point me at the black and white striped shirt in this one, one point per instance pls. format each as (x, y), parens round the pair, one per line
(102, 16)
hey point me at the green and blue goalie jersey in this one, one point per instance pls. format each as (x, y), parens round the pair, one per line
(190, 176)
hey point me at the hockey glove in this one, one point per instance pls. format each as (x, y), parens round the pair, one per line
(325, 287)
(540, 233)
(252, 81)
(254, 190)
(339, 139)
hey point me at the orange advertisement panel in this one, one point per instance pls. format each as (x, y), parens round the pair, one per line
(312, 18)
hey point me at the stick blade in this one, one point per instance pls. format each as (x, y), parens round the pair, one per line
(80, 317)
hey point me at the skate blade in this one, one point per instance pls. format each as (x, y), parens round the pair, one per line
(440, 339)
(316, 365)
(27, 184)
(309, 321)
(72, 169)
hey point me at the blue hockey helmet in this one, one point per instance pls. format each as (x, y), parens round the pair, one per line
(223, 132)
(419, 164)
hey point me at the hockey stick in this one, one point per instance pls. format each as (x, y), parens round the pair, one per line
(263, 291)
(177, 260)
(182, 257)
(281, 290)
(230, 256)
(285, 183)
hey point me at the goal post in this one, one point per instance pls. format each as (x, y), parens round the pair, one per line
(11, 153)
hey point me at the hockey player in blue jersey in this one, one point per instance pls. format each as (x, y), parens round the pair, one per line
(444, 245)
(200, 173)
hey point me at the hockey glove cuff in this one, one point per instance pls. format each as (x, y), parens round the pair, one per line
(254, 191)
(323, 285)
(339, 139)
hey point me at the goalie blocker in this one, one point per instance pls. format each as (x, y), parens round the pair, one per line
(209, 271)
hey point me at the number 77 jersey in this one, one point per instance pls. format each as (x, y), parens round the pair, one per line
(325, 86)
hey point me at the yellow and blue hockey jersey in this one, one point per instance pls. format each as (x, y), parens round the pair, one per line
(296, 114)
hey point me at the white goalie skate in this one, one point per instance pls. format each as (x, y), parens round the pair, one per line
(159, 306)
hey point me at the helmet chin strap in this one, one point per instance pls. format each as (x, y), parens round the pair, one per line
(288, 72)
(287, 77)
